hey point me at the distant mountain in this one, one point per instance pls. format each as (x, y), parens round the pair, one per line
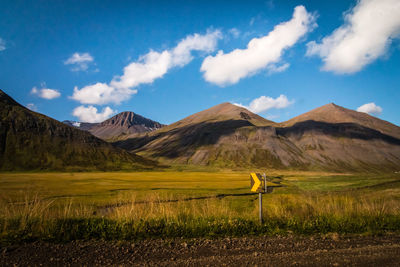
(222, 112)
(124, 123)
(332, 113)
(84, 126)
(209, 137)
(328, 138)
(32, 141)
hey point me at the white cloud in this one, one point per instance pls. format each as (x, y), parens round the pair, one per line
(365, 36)
(148, 68)
(79, 61)
(46, 93)
(224, 69)
(90, 114)
(154, 65)
(264, 103)
(370, 108)
(101, 93)
(276, 69)
(32, 107)
(2, 44)
(234, 32)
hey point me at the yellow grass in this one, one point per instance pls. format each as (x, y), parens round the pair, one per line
(148, 195)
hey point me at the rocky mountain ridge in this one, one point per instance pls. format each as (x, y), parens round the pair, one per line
(124, 123)
(327, 138)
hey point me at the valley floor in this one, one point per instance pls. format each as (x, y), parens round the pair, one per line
(200, 218)
(330, 250)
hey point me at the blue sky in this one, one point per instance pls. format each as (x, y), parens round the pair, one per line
(160, 59)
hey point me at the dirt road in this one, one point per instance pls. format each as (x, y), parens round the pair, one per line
(249, 251)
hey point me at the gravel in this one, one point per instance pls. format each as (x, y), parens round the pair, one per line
(330, 250)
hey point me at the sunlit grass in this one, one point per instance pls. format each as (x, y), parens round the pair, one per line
(36, 205)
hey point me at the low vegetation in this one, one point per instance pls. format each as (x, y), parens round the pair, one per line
(128, 206)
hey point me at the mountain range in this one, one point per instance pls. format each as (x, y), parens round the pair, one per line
(329, 138)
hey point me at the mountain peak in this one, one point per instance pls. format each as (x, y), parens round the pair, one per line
(332, 113)
(224, 112)
(124, 123)
(327, 113)
(128, 119)
(223, 108)
(329, 106)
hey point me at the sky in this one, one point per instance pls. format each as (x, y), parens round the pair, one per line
(165, 60)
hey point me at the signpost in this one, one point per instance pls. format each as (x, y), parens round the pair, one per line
(258, 184)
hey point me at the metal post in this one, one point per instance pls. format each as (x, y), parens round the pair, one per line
(265, 183)
(260, 205)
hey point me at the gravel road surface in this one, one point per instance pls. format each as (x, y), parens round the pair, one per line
(248, 251)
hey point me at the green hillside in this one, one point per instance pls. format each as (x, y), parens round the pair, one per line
(32, 141)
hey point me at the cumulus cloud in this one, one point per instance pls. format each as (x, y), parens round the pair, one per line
(2, 44)
(370, 108)
(224, 69)
(90, 114)
(154, 64)
(365, 36)
(146, 69)
(79, 61)
(264, 103)
(102, 93)
(46, 93)
(32, 107)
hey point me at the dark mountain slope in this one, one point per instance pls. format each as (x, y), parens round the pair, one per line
(348, 146)
(29, 140)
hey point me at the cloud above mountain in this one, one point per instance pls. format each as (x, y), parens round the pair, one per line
(264, 103)
(155, 65)
(366, 34)
(102, 93)
(261, 53)
(46, 93)
(370, 108)
(146, 70)
(79, 61)
(91, 114)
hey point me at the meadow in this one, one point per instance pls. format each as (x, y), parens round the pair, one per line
(136, 205)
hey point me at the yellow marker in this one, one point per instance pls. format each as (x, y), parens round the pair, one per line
(256, 183)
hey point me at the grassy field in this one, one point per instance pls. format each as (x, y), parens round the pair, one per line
(131, 205)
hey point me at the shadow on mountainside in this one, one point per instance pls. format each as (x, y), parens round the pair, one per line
(176, 142)
(347, 130)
